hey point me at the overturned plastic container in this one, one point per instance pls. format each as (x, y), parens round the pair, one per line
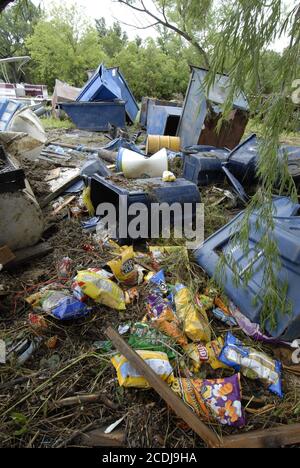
(157, 142)
(163, 120)
(96, 116)
(101, 87)
(251, 261)
(123, 193)
(131, 105)
(203, 169)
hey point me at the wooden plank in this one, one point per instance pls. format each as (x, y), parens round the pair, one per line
(108, 156)
(64, 205)
(54, 174)
(269, 438)
(6, 255)
(52, 196)
(31, 253)
(177, 405)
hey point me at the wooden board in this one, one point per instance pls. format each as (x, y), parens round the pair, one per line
(280, 436)
(6, 255)
(67, 202)
(26, 255)
(177, 405)
(52, 196)
(269, 438)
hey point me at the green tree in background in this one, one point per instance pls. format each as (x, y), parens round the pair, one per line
(16, 24)
(65, 46)
(113, 39)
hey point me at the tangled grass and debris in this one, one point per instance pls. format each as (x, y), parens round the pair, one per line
(69, 387)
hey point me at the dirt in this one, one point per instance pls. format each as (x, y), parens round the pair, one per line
(28, 416)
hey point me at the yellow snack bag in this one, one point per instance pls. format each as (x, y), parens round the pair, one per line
(195, 322)
(209, 353)
(86, 198)
(130, 378)
(186, 390)
(101, 290)
(124, 268)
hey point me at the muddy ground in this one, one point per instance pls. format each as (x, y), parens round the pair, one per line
(33, 410)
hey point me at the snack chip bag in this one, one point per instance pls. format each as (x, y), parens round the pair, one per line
(194, 319)
(158, 284)
(209, 353)
(77, 291)
(156, 305)
(146, 338)
(223, 397)
(229, 320)
(124, 268)
(86, 198)
(252, 364)
(220, 399)
(62, 306)
(163, 318)
(101, 290)
(128, 377)
(131, 295)
(186, 390)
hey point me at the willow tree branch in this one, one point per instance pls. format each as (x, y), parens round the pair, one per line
(165, 22)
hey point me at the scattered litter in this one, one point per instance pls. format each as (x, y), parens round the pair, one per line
(113, 426)
(101, 289)
(168, 176)
(252, 364)
(128, 377)
(136, 166)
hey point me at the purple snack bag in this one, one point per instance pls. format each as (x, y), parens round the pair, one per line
(223, 397)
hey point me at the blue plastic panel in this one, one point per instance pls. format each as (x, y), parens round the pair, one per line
(96, 116)
(287, 236)
(145, 191)
(243, 160)
(132, 107)
(203, 169)
(101, 87)
(158, 116)
(195, 106)
(8, 108)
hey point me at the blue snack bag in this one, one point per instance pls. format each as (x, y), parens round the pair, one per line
(252, 364)
(226, 319)
(158, 283)
(70, 308)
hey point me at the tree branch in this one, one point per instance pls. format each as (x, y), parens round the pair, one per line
(169, 25)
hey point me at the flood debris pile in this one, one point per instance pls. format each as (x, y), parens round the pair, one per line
(120, 337)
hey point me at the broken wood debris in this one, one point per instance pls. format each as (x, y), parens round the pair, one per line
(52, 196)
(30, 253)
